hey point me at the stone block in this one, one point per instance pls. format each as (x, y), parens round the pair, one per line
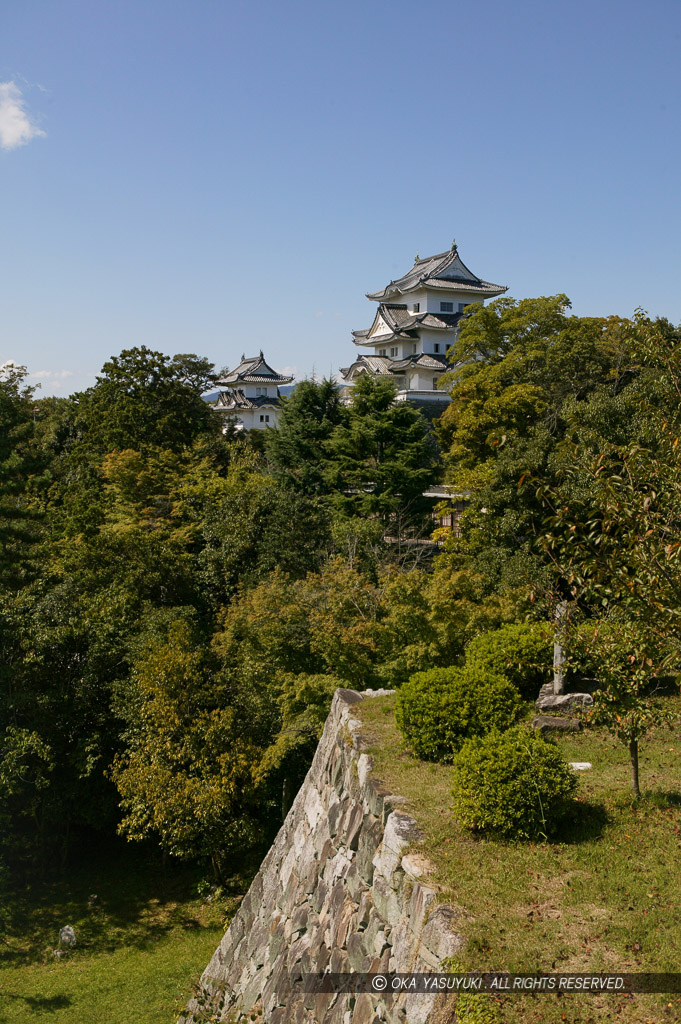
(366, 905)
(258, 943)
(237, 928)
(369, 840)
(296, 950)
(363, 1012)
(375, 793)
(440, 936)
(550, 723)
(314, 808)
(400, 832)
(421, 900)
(322, 1003)
(353, 826)
(334, 817)
(322, 958)
(386, 900)
(291, 892)
(364, 765)
(299, 921)
(418, 1007)
(348, 697)
(252, 991)
(326, 849)
(319, 896)
(390, 802)
(309, 874)
(339, 961)
(416, 865)
(563, 701)
(287, 867)
(344, 924)
(354, 883)
(356, 951)
(276, 944)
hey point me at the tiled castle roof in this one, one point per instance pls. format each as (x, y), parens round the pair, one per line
(403, 323)
(382, 365)
(254, 370)
(446, 270)
(236, 399)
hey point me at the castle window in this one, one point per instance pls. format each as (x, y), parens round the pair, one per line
(437, 346)
(417, 307)
(393, 352)
(462, 306)
(446, 307)
(264, 419)
(434, 383)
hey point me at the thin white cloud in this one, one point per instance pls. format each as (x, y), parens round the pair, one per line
(16, 126)
(52, 374)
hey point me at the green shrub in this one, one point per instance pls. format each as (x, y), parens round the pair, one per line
(521, 651)
(437, 710)
(513, 785)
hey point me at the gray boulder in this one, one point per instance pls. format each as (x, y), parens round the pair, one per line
(67, 936)
(551, 723)
(565, 702)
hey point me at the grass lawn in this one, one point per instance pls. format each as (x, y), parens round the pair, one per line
(147, 937)
(605, 897)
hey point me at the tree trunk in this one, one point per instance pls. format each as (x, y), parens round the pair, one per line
(633, 755)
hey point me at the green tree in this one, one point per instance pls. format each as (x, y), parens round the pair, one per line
(146, 397)
(612, 537)
(297, 449)
(186, 777)
(20, 471)
(383, 458)
(520, 364)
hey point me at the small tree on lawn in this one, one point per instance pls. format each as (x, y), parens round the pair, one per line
(614, 537)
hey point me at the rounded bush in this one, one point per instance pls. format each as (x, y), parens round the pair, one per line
(513, 785)
(438, 709)
(521, 651)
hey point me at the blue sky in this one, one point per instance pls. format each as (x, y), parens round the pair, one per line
(220, 177)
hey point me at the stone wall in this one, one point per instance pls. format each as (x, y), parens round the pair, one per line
(340, 891)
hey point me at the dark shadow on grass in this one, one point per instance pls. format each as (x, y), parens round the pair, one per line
(42, 1004)
(137, 904)
(662, 799)
(582, 823)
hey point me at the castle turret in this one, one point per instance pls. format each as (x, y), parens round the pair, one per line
(252, 393)
(416, 323)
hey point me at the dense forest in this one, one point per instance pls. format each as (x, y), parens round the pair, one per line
(178, 603)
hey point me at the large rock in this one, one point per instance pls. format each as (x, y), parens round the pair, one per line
(550, 723)
(562, 702)
(67, 936)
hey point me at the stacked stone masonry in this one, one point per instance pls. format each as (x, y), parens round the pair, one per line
(339, 891)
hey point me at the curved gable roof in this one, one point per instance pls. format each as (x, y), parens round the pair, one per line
(254, 370)
(392, 321)
(445, 270)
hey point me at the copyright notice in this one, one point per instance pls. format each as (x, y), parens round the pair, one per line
(491, 982)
